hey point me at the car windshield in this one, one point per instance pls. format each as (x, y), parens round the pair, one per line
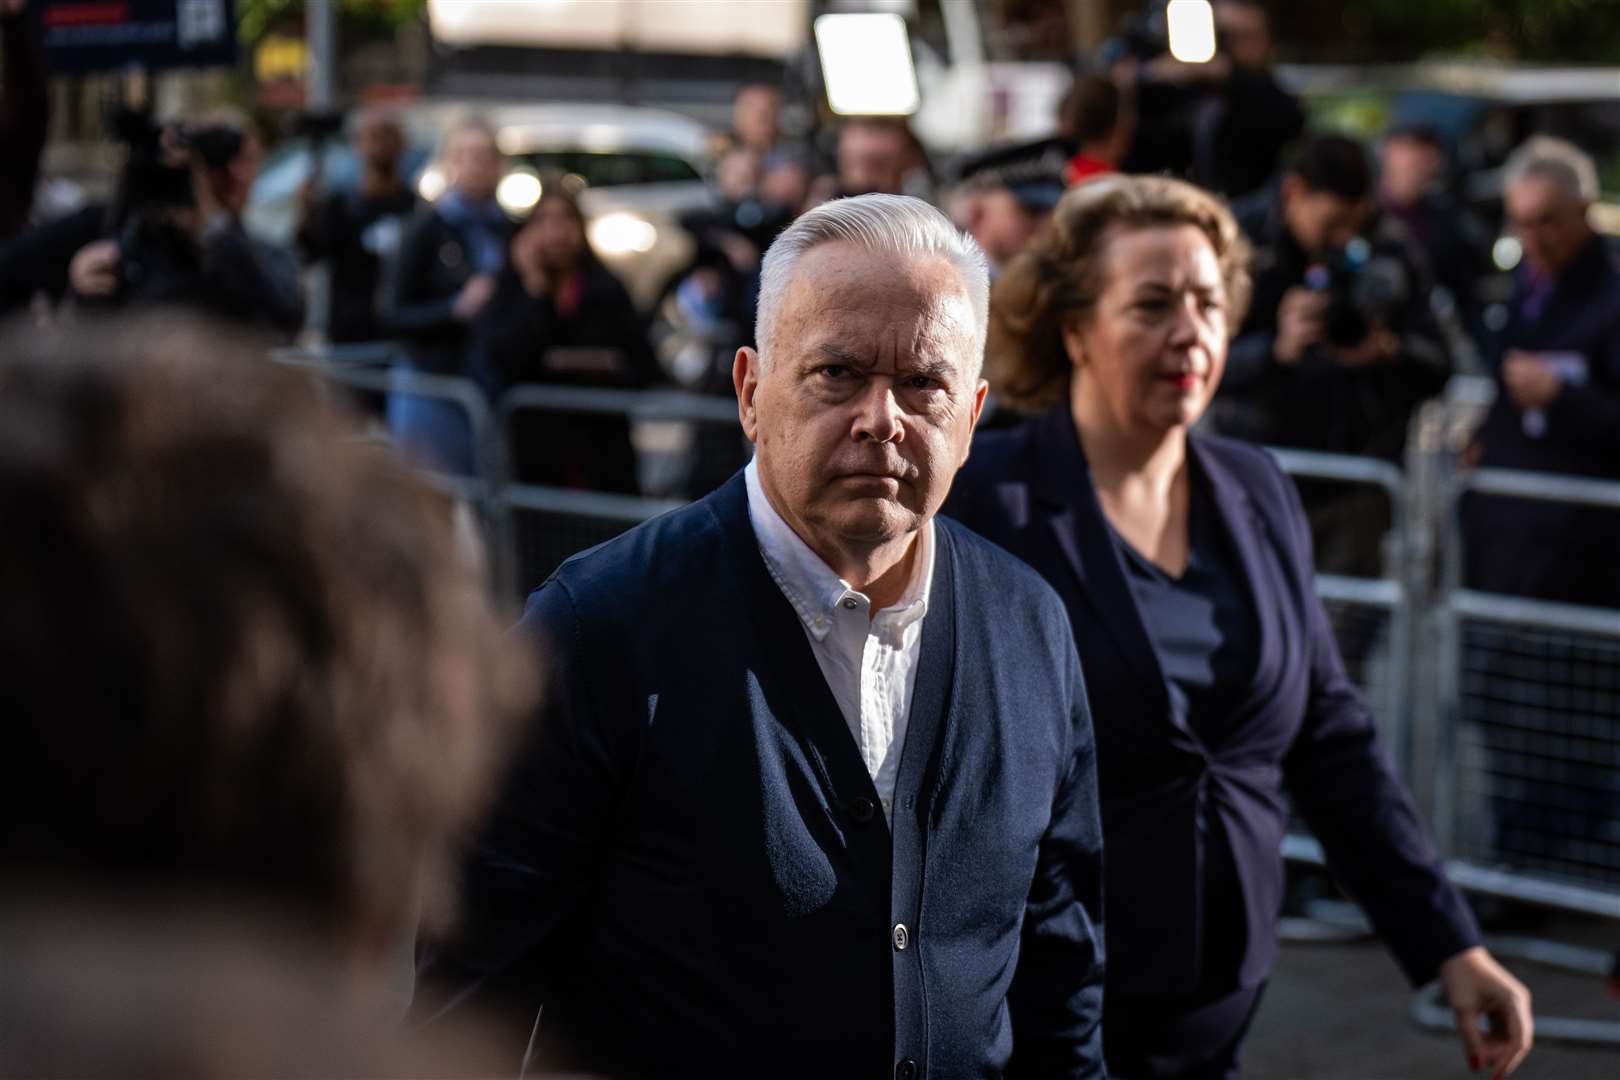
(610, 169)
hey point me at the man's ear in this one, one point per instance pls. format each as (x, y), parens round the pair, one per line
(980, 393)
(745, 380)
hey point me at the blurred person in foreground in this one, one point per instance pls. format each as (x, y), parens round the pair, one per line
(252, 693)
(1557, 409)
(1453, 242)
(813, 788)
(1184, 561)
(443, 278)
(171, 236)
(560, 317)
(358, 231)
(1340, 346)
(1007, 194)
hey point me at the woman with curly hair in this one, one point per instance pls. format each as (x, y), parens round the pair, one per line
(1218, 692)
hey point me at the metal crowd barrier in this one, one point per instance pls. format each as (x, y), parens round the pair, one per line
(1527, 793)
(364, 368)
(1528, 804)
(677, 460)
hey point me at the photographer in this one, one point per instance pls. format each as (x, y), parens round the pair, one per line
(174, 235)
(1223, 124)
(1557, 407)
(358, 230)
(1339, 346)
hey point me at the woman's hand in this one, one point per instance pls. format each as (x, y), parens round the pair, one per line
(1477, 986)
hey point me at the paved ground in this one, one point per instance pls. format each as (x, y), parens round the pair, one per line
(1343, 1012)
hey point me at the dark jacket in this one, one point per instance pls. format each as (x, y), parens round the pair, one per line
(602, 342)
(691, 846)
(1303, 731)
(357, 234)
(1548, 550)
(1318, 403)
(38, 260)
(25, 114)
(224, 272)
(1240, 130)
(420, 292)
(1456, 249)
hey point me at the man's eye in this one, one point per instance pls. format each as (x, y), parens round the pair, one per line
(923, 382)
(835, 371)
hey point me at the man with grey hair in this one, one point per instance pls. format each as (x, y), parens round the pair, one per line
(813, 791)
(1558, 406)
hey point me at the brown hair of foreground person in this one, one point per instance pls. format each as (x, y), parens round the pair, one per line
(1056, 281)
(245, 669)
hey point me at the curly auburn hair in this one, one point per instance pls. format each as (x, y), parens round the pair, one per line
(1057, 281)
(245, 658)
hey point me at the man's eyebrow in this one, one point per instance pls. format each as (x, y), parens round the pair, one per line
(833, 352)
(933, 367)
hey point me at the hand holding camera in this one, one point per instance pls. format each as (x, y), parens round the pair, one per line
(1301, 323)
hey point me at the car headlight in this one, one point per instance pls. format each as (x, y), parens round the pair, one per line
(518, 192)
(431, 184)
(622, 233)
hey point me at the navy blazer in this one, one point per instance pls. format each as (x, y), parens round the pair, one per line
(690, 866)
(1303, 730)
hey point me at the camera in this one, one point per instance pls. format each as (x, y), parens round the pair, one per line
(1364, 289)
(158, 257)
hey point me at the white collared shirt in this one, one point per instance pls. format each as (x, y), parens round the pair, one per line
(870, 663)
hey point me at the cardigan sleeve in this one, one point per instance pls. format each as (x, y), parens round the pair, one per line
(1056, 996)
(539, 854)
(1344, 785)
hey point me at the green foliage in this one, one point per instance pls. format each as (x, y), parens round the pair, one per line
(1547, 30)
(256, 18)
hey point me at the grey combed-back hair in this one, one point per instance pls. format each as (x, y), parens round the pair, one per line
(898, 225)
(1564, 163)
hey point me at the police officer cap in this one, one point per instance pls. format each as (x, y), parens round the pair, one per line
(1033, 172)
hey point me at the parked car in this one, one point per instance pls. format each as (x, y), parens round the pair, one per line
(635, 171)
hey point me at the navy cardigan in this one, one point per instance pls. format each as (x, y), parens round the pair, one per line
(1302, 729)
(689, 865)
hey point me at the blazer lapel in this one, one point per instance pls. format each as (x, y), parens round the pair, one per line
(1251, 539)
(1063, 483)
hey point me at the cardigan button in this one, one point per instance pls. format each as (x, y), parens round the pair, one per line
(902, 937)
(906, 1070)
(862, 809)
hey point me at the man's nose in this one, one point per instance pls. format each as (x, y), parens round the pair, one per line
(877, 417)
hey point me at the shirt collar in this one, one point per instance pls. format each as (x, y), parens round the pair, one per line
(816, 593)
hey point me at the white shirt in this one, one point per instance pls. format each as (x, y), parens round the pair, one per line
(870, 663)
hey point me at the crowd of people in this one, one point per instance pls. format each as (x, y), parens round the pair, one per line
(882, 758)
